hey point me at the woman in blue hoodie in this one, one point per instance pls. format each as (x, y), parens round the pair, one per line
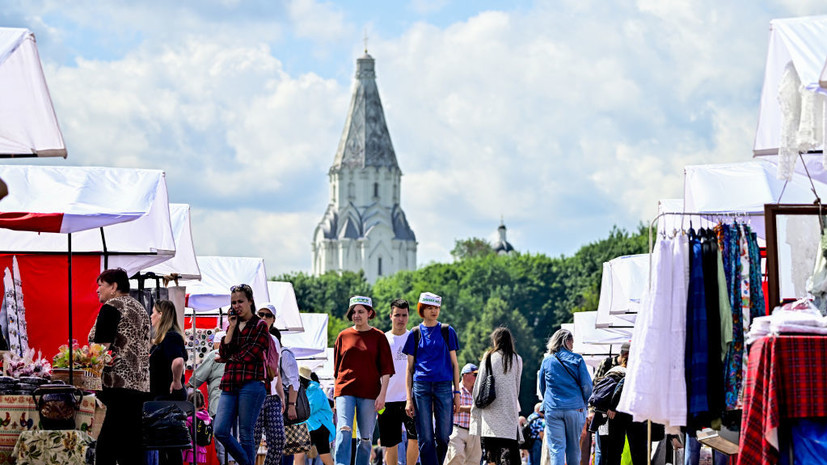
(566, 387)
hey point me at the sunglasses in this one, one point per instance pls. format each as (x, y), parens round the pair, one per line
(265, 315)
(241, 287)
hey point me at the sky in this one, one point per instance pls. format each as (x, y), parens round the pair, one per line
(563, 117)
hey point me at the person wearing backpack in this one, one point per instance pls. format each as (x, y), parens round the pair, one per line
(533, 434)
(432, 380)
(270, 419)
(607, 364)
(566, 386)
(203, 429)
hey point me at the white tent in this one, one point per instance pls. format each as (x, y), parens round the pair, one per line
(588, 333)
(744, 188)
(593, 354)
(322, 368)
(28, 124)
(184, 263)
(801, 43)
(312, 343)
(131, 205)
(219, 274)
(283, 297)
(624, 281)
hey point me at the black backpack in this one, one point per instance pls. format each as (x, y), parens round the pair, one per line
(203, 432)
(528, 441)
(417, 334)
(604, 389)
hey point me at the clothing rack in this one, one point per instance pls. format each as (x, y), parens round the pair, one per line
(704, 215)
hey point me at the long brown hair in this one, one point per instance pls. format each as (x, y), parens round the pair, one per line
(502, 341)
(169, 320)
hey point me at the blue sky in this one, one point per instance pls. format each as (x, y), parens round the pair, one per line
(564, 117)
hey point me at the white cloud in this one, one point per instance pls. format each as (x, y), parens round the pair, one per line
(565, 118)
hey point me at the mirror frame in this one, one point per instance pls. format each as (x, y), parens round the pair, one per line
(771, 212)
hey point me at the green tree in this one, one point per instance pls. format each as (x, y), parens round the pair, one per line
(471, 248)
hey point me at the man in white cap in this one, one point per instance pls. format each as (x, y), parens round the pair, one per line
(394, 417)
(432, 380)
(210, 372)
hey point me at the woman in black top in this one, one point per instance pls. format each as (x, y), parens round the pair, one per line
(166, 365)
(167, 355)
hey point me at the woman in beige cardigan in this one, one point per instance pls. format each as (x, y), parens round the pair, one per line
(497, 423)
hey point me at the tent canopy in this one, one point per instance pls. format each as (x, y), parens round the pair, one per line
(588, 333)
(621, 290)
(219, 274)
(184, 263)
(28, 124)
(802, 42)
(312, 343)
(744, 188)
(131, 205)
(283, 297)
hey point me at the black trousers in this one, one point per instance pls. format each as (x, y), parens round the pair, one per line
(120, 437)
(612, 445)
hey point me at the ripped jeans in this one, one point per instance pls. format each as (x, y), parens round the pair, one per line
(348, 408)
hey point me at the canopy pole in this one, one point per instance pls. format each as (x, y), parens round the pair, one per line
(194, 343)
(105, 252)
(71, 344)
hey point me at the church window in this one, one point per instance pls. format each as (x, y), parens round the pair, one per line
(379, 263)
(376, 189)
(351, 195)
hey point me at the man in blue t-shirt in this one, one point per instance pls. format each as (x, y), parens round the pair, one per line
(432, 380)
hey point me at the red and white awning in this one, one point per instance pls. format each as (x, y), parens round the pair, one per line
(28, 124)
(45, 201)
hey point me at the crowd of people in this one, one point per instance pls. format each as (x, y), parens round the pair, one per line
(408, 381)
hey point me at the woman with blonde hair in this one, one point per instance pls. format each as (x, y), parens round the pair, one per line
(497, 424)
(566, 387)
(166, 364)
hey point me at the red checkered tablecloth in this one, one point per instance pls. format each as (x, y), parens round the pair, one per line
(786, 378)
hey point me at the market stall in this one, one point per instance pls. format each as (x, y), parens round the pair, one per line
(621, 289)
(312, 343)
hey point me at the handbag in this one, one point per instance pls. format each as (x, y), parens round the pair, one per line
(296, 439)
(486, 393)
(302, 407)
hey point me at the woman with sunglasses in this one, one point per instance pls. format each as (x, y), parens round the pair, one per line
(242, 386)
(270, 420)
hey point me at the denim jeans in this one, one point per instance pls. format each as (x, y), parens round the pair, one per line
(563, 428)
(434, 402)
(536, 452)
(365, 414)
(242, 405)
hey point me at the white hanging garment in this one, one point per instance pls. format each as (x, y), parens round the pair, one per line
(676, 403)
(789, 99)
(15, 310)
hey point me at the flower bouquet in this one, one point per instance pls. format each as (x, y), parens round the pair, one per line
(88, 362)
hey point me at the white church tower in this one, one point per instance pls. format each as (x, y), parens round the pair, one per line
(364, 227)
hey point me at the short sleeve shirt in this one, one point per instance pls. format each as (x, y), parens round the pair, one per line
(397, 391)
(361, 358)
(160, 363)
(433, 357)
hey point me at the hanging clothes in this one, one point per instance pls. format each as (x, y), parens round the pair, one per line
(657, 342)
(697, 345)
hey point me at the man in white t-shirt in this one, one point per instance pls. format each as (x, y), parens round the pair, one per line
(394, 416)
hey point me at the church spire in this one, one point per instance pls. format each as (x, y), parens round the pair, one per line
(365, 140)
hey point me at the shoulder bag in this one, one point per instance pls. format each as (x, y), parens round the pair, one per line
(575, 378)
(486, 393)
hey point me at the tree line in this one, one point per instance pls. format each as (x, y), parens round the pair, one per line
(531, 294)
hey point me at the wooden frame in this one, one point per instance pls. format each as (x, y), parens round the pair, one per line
(771, 212)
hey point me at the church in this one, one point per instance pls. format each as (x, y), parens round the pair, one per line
(364, 227)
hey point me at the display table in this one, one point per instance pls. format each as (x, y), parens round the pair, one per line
(786, 379)
(18, 414)
(70, 447)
